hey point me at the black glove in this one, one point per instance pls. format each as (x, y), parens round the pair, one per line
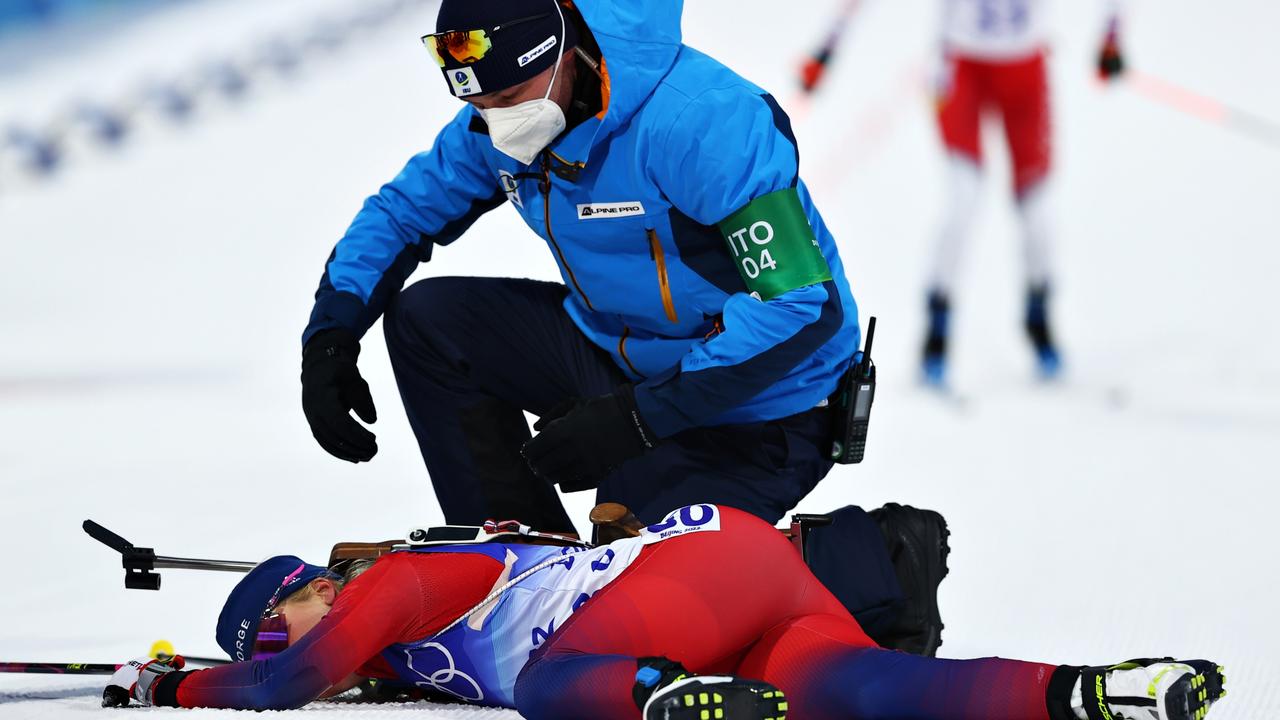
(331, 389)
(580, 441)
(1110, 60)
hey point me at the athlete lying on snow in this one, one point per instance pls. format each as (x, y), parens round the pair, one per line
(677, 623)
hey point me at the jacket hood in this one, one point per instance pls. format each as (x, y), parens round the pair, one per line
(639, 40)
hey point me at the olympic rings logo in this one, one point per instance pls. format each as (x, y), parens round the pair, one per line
(443, 675)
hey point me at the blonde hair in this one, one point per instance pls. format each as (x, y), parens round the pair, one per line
(349, 573)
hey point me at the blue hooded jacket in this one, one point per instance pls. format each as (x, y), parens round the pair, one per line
(683, 143)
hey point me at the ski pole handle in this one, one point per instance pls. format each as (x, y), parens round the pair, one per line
(813, 69)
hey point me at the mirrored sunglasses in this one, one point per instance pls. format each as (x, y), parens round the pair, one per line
(467, 46)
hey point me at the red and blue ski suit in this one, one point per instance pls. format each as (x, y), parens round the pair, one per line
(738, 600)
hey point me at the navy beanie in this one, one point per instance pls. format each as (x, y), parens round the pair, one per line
(525, 35)
(238, 622)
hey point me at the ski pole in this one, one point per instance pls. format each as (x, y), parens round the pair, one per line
(46, 668)
(815, 67)
(1190, 102)
(59, 668)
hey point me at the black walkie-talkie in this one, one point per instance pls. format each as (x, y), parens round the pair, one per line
(852, 406)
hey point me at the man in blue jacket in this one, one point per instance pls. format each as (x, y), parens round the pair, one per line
(704, 317)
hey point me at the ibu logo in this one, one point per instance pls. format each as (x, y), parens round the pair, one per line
(463, 82)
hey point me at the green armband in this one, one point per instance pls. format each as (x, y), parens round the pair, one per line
(773, 245)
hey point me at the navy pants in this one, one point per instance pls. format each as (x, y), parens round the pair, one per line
(471, 354)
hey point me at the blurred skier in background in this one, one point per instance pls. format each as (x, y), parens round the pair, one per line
(703, 321)
(994, 63)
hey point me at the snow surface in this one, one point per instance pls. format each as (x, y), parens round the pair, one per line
(153, 301)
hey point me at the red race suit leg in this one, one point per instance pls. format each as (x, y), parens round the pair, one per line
(961, 97)
(703, 599)
(741, 601)
(828, 675)
(1021, 90)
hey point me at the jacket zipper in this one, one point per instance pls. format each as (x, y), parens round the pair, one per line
(545, 187)
(664, 283)
(622, 350)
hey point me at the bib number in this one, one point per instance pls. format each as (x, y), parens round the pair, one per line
(690, 519)
(1003, 17)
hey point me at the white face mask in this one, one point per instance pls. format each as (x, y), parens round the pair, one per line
(522, 131)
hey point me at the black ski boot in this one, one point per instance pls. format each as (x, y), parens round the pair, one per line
(1143, 689)
(917, 543)
(1048, 361)
(933, 360)
(664, 690)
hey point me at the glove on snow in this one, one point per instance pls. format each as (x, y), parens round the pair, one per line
(581, 441)
(331, 389)
(137, 680)
(1110, 60)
